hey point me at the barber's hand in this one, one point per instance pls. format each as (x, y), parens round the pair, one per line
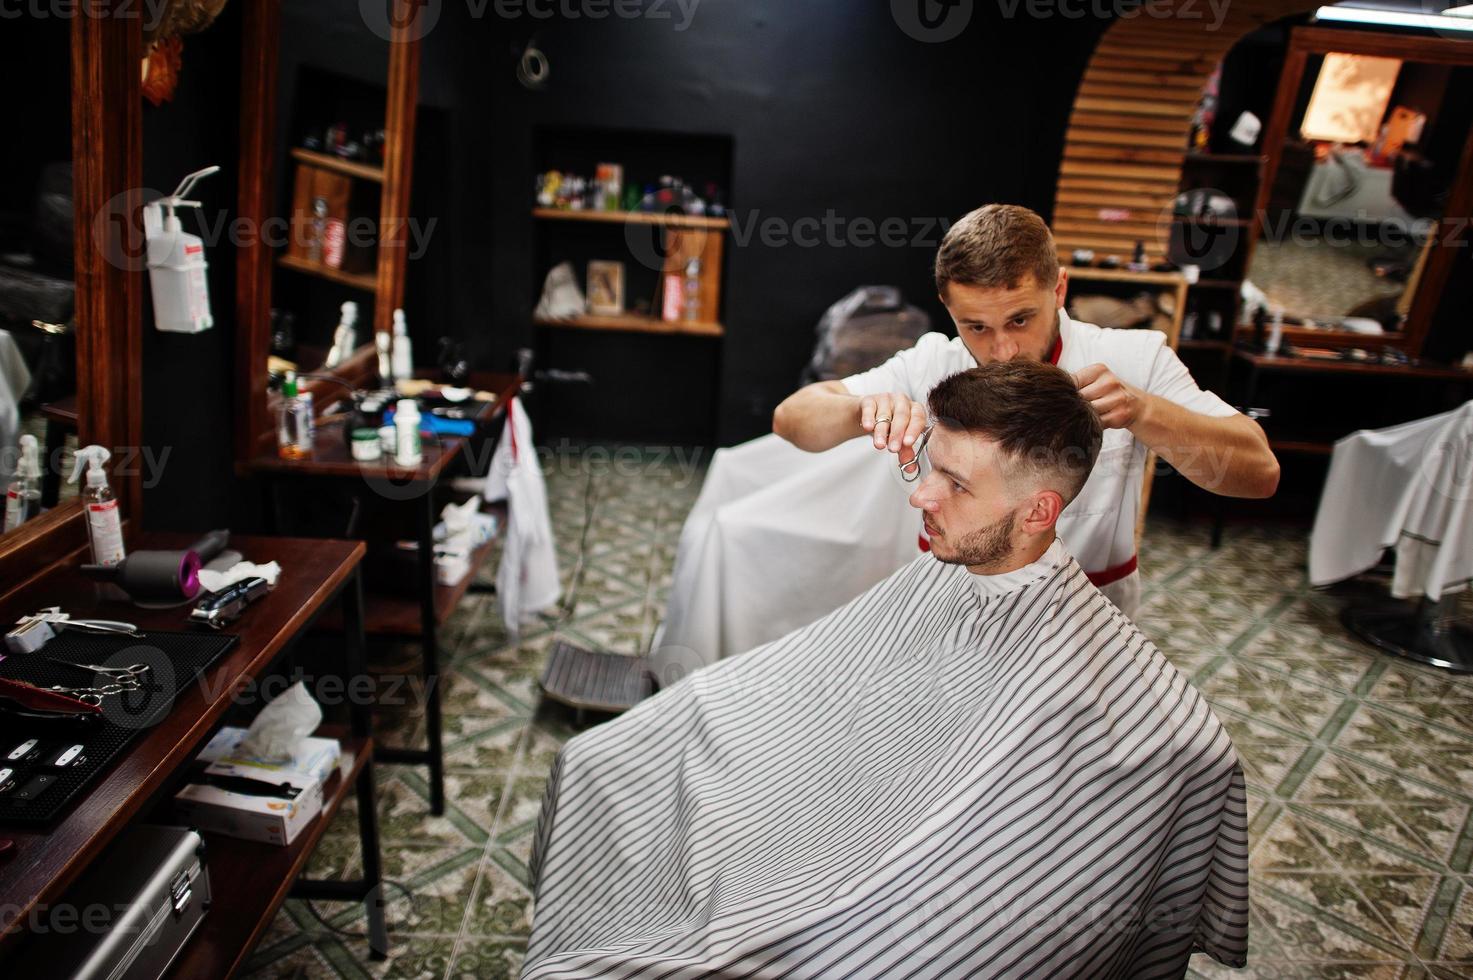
(893, 421)
(1118, 405)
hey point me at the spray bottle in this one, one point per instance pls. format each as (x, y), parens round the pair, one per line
(176, 263)
(403, 353)
(23, 496)
(293, 421)
(104, 522)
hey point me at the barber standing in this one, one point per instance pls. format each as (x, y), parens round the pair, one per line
(999, 276)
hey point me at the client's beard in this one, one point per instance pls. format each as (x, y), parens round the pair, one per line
(986, 547)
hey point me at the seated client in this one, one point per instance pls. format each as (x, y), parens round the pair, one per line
(978, 768)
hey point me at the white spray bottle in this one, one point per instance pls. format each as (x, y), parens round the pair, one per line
(176, 263)
(104, 522)
(403, 353)
(23, 496)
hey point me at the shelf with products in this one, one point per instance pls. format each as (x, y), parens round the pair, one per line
(358, 280)
(651, 273)
(633, 217)
(636, 322)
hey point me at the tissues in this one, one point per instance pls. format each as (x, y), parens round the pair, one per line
(219, 581)
(281, 725)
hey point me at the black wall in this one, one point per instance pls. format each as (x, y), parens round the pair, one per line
(189, 379)
(830, 106)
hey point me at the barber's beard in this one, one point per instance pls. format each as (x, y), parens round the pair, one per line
(984, 548)
(1053, 338)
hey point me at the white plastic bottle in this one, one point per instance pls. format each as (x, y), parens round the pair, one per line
(176, 263)
(104, 522)
(692, 290)
(407, 451)
(403, 352)
(23, 496)
(381, 342)
(1275, 334)
(344, 338)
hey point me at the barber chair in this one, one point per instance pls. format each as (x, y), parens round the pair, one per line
(1410, 485)
(863, 330)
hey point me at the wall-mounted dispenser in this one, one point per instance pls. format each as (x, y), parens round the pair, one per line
(176, 262)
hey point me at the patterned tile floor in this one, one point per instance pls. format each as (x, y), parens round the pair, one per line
(1360, 790)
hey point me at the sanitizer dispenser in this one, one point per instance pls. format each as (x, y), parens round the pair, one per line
(176, 263)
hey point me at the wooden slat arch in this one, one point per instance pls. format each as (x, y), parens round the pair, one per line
(1132, 115)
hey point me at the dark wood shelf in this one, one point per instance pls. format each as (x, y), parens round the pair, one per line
(1199, 343)
(50, 859)
(250, 880)
(1243, 158)
(1313, 365)
(394, 614)
(399, 615)
(1207, 219)
(351, 168)
(637, 323)
(633, 218)
(358, 280)
(1094, 274)
(1217, 284)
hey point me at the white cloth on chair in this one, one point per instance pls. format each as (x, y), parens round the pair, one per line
(780, 537)
(527, 579)
(777, 537)
(954, 775)
(1409, 487)
(15, 378)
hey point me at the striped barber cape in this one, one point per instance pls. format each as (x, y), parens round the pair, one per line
(953, 775)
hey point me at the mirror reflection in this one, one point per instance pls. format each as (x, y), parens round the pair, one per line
(331, 111)
(38, 372)
(1363, 177)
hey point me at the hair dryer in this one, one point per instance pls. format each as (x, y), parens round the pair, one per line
(162, 576)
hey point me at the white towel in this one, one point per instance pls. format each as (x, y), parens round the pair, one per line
(527, 579)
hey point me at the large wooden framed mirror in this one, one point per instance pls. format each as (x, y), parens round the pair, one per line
(1368, 179)
(327, 136)
(70, 265)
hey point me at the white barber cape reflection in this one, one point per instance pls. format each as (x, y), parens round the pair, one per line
(780, 537)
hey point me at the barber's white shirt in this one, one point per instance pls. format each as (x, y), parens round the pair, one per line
(1098, 526)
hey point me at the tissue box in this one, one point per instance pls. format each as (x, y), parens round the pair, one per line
(316, 757)
(269, 819)
(451, 568)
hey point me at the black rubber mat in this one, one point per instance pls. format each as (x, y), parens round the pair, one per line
(38, 789)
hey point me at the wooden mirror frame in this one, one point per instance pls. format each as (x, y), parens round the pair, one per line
(1306, 41)
(107, 164)
(260, 38)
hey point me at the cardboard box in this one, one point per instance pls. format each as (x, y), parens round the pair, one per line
(270, 819)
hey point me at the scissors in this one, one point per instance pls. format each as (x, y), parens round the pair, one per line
(60, 620)
(130, 677)
(94, 695)
(910, 470)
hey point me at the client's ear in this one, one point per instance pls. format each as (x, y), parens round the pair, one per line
(1043, 511)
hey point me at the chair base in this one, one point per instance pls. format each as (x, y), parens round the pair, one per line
(1419, 635)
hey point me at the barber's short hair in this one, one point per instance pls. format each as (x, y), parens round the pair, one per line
(1033, 412)
(999, 246)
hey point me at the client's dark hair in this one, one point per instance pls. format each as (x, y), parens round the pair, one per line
(1034, 413)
